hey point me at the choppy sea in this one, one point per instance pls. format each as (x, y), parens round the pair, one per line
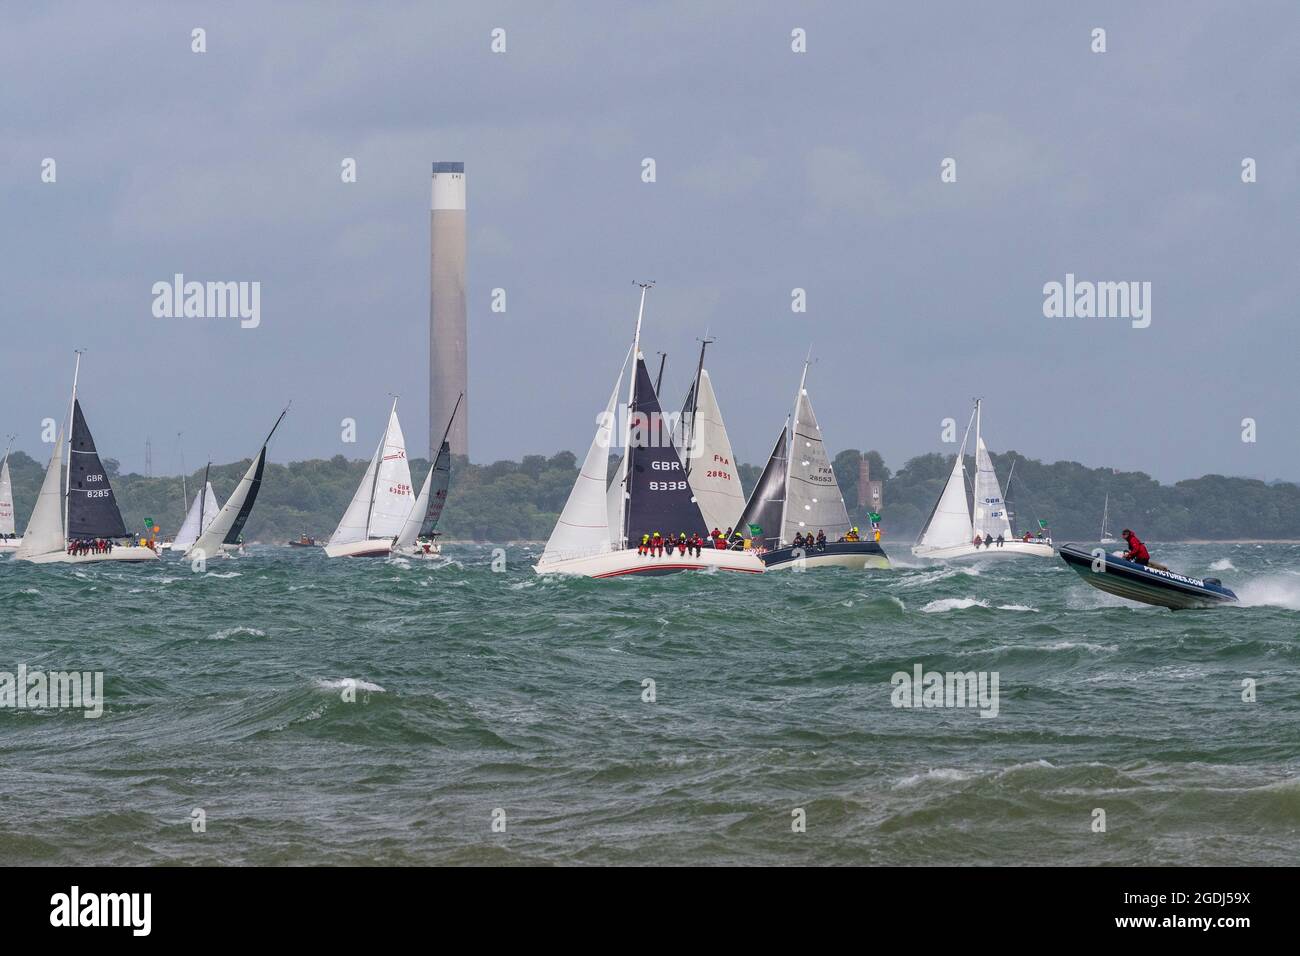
(282, 708)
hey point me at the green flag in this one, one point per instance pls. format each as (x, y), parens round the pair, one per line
(755, 531)
(873, 516)
(1042, 524)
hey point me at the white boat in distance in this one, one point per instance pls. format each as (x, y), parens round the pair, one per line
(418, 537)
(798, 494)
(199, 516)
(1107, 536)
(382, 502)
(221, 537)
(648, 493)
(9, 540)
(950, 532)
(76, 503)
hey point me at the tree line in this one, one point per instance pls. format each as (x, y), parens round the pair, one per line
(520, 500)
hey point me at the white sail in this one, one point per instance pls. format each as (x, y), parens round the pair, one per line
(382, 501)
(584, 525)
(410, 532)
(615, 497)
(6, 499)
(44, 534)
(950, 523)
(714, 476)
(990, 511)
(393, 494)
(205, 509)
(813, 501)
(209, 542)
(352, 526)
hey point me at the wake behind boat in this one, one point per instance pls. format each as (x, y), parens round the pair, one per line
(798, 498)
(954, 526)
(649, 494)
(76, 519)
(1149, 585)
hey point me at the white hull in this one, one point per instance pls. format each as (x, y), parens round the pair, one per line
(366, 548)
(431, 550)
(130, 554)
(10, 544)
(1010, 549)
(614, 564)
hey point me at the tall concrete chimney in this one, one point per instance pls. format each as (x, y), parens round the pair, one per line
(448, 333)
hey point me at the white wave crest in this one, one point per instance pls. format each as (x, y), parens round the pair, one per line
(341, 683)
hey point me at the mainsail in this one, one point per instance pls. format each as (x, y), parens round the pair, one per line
(92, 509)
(813, 499)
(383, 499)
(659, 496)
(989, 516)
(44, 534)
(767, 502)
(6, 499)
(583, 525)
(710, 462)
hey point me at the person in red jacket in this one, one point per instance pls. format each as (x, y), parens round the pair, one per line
(1137, 551)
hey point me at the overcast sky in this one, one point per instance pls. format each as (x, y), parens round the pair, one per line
(774, 170)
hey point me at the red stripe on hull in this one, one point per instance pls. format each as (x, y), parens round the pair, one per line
(676, 567)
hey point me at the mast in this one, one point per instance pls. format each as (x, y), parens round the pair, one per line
(663, 358)
(203, 495)
(695, 403)
(449, 421)
(185, 495)
(793, 424)
(627, 424)
(67, 483)
(374, 481)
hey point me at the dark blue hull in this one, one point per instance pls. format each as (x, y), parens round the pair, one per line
(1137, 582)
(839, 554)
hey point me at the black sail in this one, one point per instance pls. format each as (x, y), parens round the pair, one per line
(92, 509)
(438, 486)
(661, 498)
(765, 505)
(236, 529)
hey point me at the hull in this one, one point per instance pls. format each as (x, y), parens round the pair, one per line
(431, 550)
(133, 554)
(1010, 549)
(857, 555)
(1178, 592)
(9, 544)
(614, 564)
(369, 548)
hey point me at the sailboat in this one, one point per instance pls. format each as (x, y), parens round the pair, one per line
(1107, 536)
(417, 537)
(951, 529)
(76, 502)
(798, 494)
(222, 534)
(9, 539)
(382, 501)
(199, 517)
(603, 520)
(707, 458)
